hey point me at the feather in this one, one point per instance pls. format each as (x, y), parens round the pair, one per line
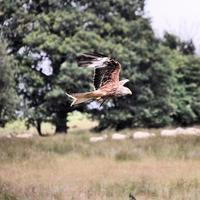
(106, 69)
(92, 61)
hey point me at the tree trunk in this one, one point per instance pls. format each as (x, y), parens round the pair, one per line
(61, 124)
(38, 127)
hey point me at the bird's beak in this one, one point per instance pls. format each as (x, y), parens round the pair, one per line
(130, 92)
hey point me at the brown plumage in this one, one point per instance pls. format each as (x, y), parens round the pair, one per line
(106, 78)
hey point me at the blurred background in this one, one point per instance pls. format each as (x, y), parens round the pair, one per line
(157, 43)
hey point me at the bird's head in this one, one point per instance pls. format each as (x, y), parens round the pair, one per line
(126, 91)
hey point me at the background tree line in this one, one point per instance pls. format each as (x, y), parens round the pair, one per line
(46, 35)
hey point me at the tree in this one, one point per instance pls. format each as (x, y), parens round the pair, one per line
(186, 87)
(57, 30)
(54, 31)
(33, 88)
(39, 33)
(8, 97)
(187, 92)
(175, 43)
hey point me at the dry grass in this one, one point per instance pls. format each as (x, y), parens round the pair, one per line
(69, 167)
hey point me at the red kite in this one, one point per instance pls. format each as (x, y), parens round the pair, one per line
(106, 79)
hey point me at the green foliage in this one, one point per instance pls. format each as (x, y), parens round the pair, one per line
(174, 42)
(187, 92)
(58, 30)
(8, 97)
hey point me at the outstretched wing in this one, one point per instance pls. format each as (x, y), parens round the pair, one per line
(106, 69)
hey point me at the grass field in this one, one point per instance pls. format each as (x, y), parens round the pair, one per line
(71, 168)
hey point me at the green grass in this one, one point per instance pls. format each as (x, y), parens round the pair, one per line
(13, 127)
(77, 122)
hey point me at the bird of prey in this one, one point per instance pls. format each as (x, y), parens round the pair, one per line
(106, 79)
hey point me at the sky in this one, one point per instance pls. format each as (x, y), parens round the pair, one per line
(181, 17)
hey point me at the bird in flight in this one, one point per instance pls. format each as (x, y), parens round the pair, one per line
(106, 79)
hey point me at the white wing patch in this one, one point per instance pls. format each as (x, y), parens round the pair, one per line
(100, 62)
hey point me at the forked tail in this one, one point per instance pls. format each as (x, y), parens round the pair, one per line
(81, 97)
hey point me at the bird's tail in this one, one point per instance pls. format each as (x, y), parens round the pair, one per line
(81, 97)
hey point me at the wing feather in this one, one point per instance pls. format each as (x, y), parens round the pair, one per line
(106, 69)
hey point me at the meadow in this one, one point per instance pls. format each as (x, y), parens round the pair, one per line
(69, 167)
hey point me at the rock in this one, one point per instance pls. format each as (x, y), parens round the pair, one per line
(117, 136)
(180, 131)
(25, 135)
(98, 138)
(142, 135)
(191, 131)
(171, 132)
